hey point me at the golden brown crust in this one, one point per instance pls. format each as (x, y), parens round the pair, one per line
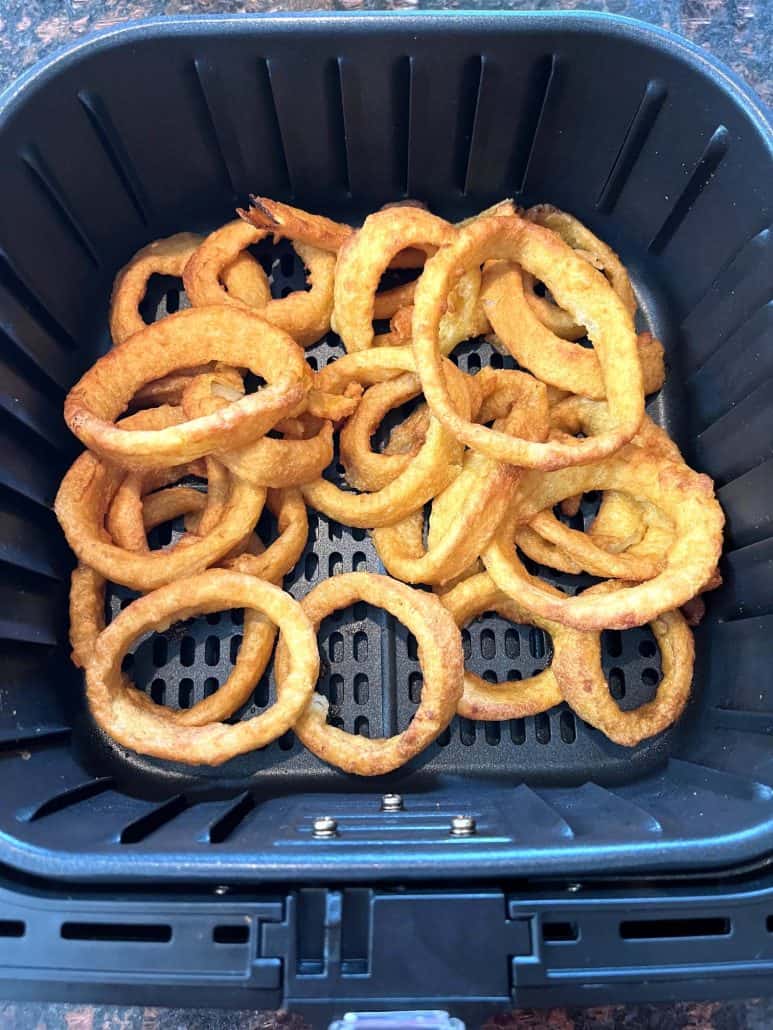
(124, 712)
(440, 657)
(579, 288)
(194, 336)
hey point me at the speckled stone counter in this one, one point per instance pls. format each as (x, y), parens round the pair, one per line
(739, 32)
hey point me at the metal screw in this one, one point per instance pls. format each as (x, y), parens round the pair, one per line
(392, 803)
(324, 827)
(463, 826)
(221, 889)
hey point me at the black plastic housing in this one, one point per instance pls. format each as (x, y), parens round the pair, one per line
(167, 125)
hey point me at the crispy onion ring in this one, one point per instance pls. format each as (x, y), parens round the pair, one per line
(125, 517)
(243, 278)
(618, 526)
(367, 469)
(577, 287)
(283, 553)
(623, 524)
(430, 470)
(684, 496)
(513, 699)
(581, 679)
(556, 361)
(619, 523)
(408, 436)
(390, 303)
(365, 257)
(303, 314)
(270, 564)
(87, 615)
(582, 415)
(81, 505)
(295, 224)
(594, 250)
(298, 458)
(85, 496)
(397, 303)
(466, 514)
(169, 389)
(192, 336)
(169, 504)
(475, 503)
(114, 703)
(442, 666)
(313, 234)
(591, 558)
(124, 520)
(539, 550)
(87, 612)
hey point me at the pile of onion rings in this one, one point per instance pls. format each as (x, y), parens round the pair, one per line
(485, 474)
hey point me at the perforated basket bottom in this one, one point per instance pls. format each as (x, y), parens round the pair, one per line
(370, 672)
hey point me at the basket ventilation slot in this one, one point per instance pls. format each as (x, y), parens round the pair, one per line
(46, 179)
(33, 306)
(142, 933)
(116, 152)
(667, 929)
(12, 928)
(560, 933)
(709, 162)
(544, 82)
(73, 796)
(138, 830)
(221, 126)
(638, 131)
(224, 827)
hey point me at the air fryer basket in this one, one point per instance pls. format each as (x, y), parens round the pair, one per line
(167, 125)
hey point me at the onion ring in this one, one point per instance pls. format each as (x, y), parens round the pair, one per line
(113, 702)
(513, 699)
(169, 504)
(581, 680)
(283, 553)
(599, 254)
(579, 288)
(684, 496)
(197, 334)
(303, 314)
(169, 389)
(592, 558)
(440, 656)
(293, 223)
(430, 470)
(556, 361)
(243, 278)
(87, 620)
(366, 469)
(364, 258)
(619, 525)
(267, 462)
(84, 498)
(87, 596)
(467, 513)
(125, 516)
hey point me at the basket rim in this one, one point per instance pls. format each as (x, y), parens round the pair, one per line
(409, 22)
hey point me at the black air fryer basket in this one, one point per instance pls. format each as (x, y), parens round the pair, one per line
(168, 125)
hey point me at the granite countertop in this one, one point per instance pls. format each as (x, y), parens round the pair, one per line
(737, 31)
